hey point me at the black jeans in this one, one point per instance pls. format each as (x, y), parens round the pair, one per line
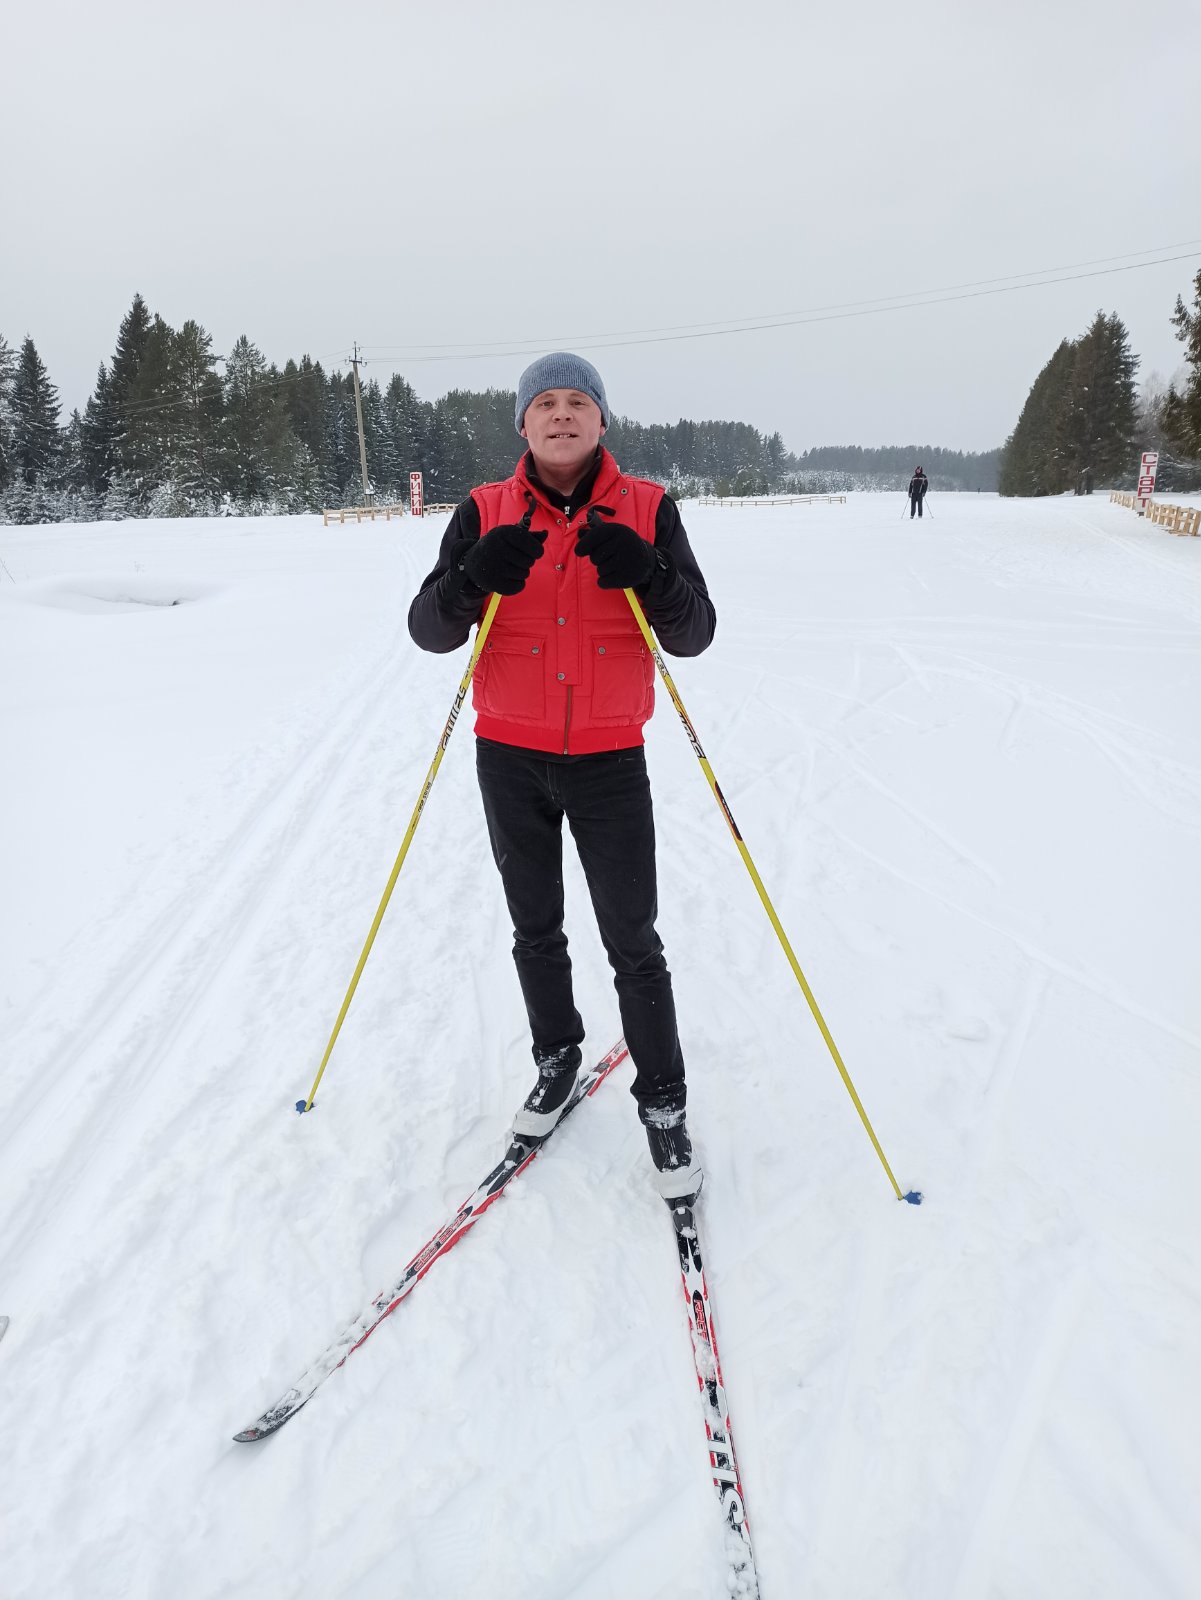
(915, 504)
(606, 799)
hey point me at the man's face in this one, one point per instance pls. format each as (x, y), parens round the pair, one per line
(563, 428)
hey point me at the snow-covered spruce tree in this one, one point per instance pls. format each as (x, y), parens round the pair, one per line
(1097, 427)
(193, 459)
(265, 468)
(35, 419)
(450, 449)
(1182, 407)
(118, 502)
(8, 375)
(245, 427)
(150, 417)
(74, 499)
(304, 399)
(339, 442)
(292, 481)
(1031, 461)
(98, 435)
(496, 445)
(406, 419)
(132, 337)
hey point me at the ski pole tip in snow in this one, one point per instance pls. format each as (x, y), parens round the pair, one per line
(302, 1106)
(914, 1197)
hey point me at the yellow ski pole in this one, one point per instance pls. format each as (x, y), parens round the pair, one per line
(914, 1197)
(460, 697)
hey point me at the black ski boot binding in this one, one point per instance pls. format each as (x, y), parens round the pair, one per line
(546, 1101)
(678, 1174)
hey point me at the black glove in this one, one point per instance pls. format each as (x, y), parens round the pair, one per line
(622, 558)
(500, 562)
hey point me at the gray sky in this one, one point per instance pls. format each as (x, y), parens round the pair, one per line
(472, 173)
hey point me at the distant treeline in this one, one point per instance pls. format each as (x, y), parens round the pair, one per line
(164, 433)
(891, 466)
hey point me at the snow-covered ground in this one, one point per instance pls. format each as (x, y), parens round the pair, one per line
(966, 756)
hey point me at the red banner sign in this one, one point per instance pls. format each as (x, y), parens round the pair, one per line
(416, 495)
(1148, 464)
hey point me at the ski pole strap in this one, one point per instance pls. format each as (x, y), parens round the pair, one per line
(464, 684)
(652, 646)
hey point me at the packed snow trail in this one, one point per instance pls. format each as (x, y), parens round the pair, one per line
(965, 755)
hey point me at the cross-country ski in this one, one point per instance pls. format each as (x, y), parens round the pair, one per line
(727, 1481)
(516, 1159)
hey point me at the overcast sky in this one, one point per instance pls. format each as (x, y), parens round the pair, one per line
(530, 175)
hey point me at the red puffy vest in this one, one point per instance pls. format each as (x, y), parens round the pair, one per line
(565, 667)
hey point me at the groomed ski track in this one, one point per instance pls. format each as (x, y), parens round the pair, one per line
(966, 756)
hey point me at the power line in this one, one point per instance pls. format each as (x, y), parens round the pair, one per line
(767, 321)
(839, 305)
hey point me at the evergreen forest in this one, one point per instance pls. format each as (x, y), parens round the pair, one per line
(171, 428)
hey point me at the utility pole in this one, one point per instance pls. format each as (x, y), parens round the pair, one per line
(368, 491)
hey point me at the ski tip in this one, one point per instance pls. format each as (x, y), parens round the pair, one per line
(263, 1428)
(914, 1197)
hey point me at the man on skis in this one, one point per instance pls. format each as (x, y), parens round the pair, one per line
(563, 689)
(918, 485)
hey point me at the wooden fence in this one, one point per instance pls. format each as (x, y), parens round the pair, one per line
(774, 500)
(341, 514)
(1176, 519)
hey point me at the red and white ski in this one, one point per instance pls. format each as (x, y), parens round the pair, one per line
(517, 1158)
(743, 1580)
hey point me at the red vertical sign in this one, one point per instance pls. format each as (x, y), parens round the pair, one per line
(1147, 468)
(416, 495)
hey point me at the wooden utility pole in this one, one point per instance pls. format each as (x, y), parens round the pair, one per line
(368, 491)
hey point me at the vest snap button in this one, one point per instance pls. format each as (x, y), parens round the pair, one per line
(625, 491)
(534, 650)
(558, 566)
(560, 676)
(600, 649)
(561, 621)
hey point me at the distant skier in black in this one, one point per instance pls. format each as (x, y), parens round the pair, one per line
(918, 485)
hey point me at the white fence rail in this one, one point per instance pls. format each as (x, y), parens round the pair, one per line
(774, 500)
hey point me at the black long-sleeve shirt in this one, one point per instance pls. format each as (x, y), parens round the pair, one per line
(676, 600)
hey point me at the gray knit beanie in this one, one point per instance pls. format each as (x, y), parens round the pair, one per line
(560, 370)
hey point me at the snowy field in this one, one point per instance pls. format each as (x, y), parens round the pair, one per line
(966, 756)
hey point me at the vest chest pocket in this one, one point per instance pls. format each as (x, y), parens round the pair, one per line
(623, 677)
(510, 680)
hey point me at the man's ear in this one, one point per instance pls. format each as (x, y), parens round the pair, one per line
(523, 432)
(603, 431)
